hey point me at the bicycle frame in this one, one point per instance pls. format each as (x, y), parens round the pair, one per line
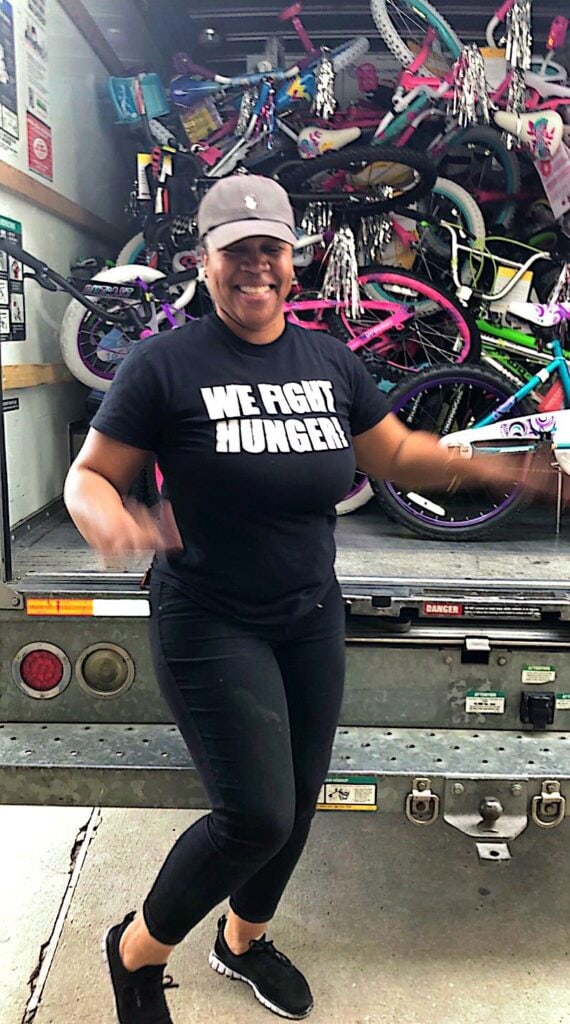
(400, 314)
(49, 279)
(416, 93)
(184, 64)
(464, 292)
(558, 365)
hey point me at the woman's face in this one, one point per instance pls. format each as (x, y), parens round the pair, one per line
(249, 282)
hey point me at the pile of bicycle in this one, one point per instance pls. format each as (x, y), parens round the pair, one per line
(450, 189)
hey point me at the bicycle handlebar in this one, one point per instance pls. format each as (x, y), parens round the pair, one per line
(24, 257)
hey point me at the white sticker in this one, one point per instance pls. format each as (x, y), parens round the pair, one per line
(538, 674)
(485, 703)
(121, 607)
(563, 701)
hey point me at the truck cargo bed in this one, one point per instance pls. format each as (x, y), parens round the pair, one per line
(368, 546)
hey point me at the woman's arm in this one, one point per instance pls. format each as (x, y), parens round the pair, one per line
(414, 458)
(94, 494)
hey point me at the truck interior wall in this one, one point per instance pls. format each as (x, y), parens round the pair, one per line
(91, 166)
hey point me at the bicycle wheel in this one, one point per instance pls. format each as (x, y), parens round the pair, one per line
(349, 53)
(135, 250)
(478, 160)
(363, 179)
(92, 348)
(443, 401)
(359, 495)
(449, 201)
(403, 25)
(439, 329)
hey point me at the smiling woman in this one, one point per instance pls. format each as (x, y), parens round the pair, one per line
(249, 282)
(248, 228)
(257, 425)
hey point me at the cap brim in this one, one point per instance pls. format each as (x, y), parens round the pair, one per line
(227, 234)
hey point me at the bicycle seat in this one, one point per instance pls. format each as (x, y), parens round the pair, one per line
(541, 316)
(315, 141)
(542, 131)
(545, 87)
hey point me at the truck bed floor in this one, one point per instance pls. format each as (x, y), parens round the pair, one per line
(368, 545)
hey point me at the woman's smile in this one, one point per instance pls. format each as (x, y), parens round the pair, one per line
(245, 296)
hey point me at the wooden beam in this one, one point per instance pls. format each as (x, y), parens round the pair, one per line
(45, 198)
(91, 32)
(32, 375)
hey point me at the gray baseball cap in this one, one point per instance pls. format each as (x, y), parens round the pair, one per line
(242, 206)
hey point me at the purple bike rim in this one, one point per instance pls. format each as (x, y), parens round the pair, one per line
(458, 523)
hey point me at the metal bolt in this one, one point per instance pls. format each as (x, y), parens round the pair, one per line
(551, 787)
(15, 602)
(458, 788)
(421, 785)
(516, 789)
(502, 660)
(448, 660)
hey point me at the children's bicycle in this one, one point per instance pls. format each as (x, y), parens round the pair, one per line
(471, 408)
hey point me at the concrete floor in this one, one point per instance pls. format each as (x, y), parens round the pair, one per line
(392, 924)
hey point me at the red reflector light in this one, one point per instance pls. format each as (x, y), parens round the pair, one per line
(41, 670)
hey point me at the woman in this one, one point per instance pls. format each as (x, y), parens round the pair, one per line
(256, 425)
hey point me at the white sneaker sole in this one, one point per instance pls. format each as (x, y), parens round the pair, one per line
(220, 968)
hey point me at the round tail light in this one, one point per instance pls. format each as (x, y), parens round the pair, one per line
(105, 670)
(42, 670)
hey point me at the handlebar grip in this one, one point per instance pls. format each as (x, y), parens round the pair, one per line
(290, 12)
(24, 257)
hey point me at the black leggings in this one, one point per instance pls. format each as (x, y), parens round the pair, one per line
(257, 707)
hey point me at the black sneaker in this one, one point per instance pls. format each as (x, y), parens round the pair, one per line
(274, 980)
(139, 995)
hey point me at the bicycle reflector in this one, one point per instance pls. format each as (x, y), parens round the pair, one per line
(41, 670)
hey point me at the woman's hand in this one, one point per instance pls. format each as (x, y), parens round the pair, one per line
(137, 530)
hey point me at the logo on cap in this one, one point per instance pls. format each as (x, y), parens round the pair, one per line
(251, 202)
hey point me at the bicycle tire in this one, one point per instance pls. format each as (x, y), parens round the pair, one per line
(348, 53)
(299, 175)
(384, 21)
(395, 285)
(470, 217)
(405, 506)
(496, 149)
(132, 250)
(73, 323)
(359, 495)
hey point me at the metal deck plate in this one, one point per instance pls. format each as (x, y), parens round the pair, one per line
(148, 766)
(443, 752)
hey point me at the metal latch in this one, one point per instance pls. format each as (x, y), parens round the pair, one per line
(476, 650)
(548, 809)
(422, 806)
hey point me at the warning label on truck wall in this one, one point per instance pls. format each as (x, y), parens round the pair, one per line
(538, 674)
(348, 793)
(485, 702)
(442, 608)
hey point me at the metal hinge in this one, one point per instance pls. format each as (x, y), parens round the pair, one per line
(548, 809)
(422, 806)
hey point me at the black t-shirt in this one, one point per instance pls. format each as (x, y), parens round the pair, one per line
(254, 442)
